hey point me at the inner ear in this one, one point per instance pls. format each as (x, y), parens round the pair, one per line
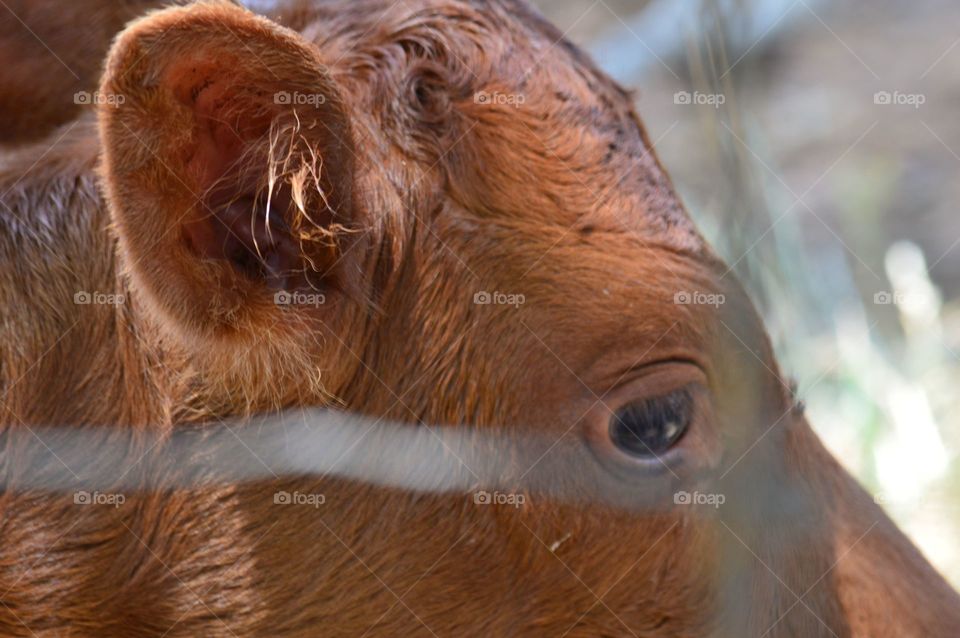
(251, 234)
(240, 220)
(238, 163)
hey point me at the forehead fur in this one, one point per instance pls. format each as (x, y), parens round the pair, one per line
(501, 114)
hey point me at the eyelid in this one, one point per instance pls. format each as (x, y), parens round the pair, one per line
(610, 375)
(658, 379)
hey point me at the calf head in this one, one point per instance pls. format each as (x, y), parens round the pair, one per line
(453, 206)
(447, 215)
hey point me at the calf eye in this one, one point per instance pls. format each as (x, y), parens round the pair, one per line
(650, 427)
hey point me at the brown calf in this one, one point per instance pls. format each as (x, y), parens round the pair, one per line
(435, 212)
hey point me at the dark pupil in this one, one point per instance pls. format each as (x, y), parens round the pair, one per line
(650, 427)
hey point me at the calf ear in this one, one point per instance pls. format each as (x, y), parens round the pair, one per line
(228, 167)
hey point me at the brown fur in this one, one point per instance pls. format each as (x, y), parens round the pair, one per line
(403, 197)
(48, 58)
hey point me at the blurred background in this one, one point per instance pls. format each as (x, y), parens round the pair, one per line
(817, 146)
